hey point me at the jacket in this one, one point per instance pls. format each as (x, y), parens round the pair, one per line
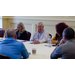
(23, 35)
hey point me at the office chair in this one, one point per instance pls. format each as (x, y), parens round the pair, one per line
(29, 35)
(2, 32)
(50, 35)
(4, 57)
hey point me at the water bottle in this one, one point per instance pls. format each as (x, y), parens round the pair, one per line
(50, 41)
(56, 42)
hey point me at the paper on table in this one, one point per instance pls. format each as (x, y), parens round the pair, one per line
(30, 42)
(51, 44)
(1, 39)
(20, 40)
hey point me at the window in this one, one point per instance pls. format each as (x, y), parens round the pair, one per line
(0, 21)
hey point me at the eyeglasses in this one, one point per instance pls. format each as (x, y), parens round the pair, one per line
(39, 26)
(18, 27)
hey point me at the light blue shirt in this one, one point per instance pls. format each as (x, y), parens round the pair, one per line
(41, 37)
(13, 48)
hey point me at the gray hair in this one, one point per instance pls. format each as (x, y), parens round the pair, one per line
(22, 25)
(10, 32)
(39, 23)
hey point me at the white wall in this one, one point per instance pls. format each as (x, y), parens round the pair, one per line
(44, 17)
(30, 21)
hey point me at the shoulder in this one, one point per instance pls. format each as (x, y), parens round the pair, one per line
(59, 47)
(20, 45)
(55, 35)
(18, 42)
(54, 38)
(45, 32)
(36, 33)
(16, 31)
(24, 32)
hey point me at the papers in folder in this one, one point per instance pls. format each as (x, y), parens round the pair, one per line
(24, 41)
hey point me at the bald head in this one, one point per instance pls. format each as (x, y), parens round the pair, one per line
(10, 32)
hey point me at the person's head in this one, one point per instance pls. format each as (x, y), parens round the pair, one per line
(60, 27)
(20, 27)
(40, 27)
(68, 34)
(10, 32)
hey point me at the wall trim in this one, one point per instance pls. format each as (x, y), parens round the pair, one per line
(44, 19)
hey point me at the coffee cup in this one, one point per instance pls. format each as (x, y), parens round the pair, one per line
(33, 50)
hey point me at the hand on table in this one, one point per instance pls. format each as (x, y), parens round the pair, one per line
(36, 42)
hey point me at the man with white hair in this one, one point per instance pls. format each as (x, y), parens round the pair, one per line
(41, 35)
(11, 47)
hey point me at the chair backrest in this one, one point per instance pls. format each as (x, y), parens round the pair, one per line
(2, 32)
(50, 35)
(4, 57)
(29, 35)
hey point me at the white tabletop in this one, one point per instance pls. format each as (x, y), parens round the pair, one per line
(42, 51)
(2, 38)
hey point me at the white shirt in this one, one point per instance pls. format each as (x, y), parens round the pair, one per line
(41, 37)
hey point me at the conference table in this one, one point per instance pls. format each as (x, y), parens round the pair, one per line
(43, 51)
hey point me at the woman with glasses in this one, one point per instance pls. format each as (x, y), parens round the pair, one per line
(21, 32)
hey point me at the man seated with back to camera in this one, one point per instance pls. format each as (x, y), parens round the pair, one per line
(66, 48)
(11, 47)
(41, 36)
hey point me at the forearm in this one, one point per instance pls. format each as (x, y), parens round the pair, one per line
(25, 54)
(56, 53)
(39, 41)
(43, 40)
(53, 55)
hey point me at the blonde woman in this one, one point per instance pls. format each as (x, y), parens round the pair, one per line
(21, 32)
